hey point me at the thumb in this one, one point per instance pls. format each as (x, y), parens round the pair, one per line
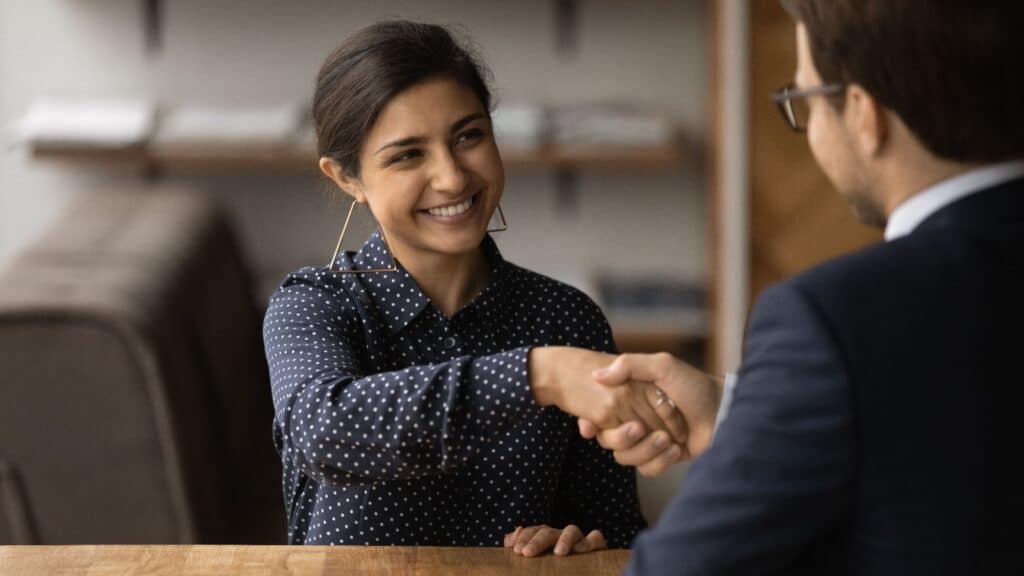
(615, 374)
(587, 428)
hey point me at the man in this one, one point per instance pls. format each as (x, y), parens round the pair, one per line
(873, 428)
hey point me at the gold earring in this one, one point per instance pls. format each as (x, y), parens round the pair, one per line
(337, 249)
(504, 223)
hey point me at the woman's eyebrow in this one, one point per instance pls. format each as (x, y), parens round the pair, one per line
(460, 123)
(409, 141)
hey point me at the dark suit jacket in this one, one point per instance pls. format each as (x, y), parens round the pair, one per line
(876, 421)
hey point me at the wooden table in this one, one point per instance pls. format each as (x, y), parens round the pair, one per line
(299, 560)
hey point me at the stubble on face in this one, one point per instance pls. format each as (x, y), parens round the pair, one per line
(833, 146)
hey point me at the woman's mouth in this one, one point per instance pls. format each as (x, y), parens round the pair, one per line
(453, 213)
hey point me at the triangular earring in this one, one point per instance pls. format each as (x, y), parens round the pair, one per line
(337, 249)
(504, 223)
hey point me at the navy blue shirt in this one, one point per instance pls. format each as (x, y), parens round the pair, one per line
(397, 425)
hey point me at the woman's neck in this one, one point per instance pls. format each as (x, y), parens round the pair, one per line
(449, 281)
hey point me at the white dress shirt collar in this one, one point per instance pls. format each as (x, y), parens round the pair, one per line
(920, 206)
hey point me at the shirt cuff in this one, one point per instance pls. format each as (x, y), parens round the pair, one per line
(728, 387)
(504, 383)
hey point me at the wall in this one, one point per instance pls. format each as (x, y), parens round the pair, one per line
(265, 51)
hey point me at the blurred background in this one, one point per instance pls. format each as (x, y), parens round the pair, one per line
(150, 143)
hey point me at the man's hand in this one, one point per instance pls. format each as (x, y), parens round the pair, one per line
(536, 540)
(563, 376)
(691, 391)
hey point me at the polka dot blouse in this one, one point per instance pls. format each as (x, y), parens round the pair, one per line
(397, 425)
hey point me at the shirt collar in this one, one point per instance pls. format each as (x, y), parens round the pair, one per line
(384, 287)
(920, 206)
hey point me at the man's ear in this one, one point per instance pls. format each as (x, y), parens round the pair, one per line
(350, 185)
(866, 120)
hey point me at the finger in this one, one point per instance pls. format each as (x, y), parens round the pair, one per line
(645, 367)
(646, 450)
(661, 462)
(669, 414)
(593, 541)
(587, 428)
(623, 437)
(541, 542)
(524, 537)
(645, 409)
(510, 538)
(570, 536)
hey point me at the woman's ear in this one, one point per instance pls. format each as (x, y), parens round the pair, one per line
(348, 184)
(866, 120)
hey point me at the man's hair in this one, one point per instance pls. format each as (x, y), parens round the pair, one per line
(949, 68)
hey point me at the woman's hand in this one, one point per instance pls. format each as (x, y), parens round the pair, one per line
(536, 540)
(563, 376)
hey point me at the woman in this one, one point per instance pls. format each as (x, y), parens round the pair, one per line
(417, 382)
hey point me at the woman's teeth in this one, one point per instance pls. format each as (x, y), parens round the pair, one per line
(452, 210)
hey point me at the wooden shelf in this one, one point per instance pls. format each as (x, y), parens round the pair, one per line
(298, 158)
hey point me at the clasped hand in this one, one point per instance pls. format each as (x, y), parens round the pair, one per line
(621, 401)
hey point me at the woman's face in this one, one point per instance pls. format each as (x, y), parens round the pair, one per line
(430, 169)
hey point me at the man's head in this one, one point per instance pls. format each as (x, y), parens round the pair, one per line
(930, 89)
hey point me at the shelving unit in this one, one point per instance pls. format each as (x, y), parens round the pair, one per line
(566, 165)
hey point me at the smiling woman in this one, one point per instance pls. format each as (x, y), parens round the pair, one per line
(417, 382)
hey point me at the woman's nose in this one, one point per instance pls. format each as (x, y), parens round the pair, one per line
(448, 176)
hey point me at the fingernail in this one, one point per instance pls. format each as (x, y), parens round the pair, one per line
(675, 452)
(560, 549)
(634, 431)
(600, 372)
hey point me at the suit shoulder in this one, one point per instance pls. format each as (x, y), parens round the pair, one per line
(869, 268)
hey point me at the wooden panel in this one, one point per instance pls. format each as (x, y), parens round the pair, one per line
(714, 182)
(298, 560)
(797, 218)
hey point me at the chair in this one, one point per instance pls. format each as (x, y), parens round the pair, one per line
(134, 400)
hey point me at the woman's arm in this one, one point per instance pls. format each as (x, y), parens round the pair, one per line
(342, 424)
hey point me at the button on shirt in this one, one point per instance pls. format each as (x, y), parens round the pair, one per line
(397, 425)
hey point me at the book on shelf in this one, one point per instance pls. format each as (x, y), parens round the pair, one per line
(234, 126)
(57, 123)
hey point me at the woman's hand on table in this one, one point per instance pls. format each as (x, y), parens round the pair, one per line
(536, 540)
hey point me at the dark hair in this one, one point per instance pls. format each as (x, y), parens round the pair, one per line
(944, 66)
(371, 67)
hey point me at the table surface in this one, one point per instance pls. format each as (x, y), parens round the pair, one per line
(299, 560)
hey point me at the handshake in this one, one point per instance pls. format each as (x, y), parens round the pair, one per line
(651, 410)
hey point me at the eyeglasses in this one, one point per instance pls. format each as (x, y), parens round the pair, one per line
(792, 102)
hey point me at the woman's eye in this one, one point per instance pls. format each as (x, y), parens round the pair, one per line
(404, 156)
(470, 136)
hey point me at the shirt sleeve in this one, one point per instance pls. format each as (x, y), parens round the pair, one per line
(340, 424)
(596, 493)
(728, 387)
